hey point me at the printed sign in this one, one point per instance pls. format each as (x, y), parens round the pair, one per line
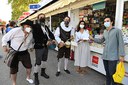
(34, 6)
(95, 61)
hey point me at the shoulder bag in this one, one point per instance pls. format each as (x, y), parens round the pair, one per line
(11, 54)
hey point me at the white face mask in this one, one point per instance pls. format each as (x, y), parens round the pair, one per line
(107, 24)
(82, 26)
(28, 29)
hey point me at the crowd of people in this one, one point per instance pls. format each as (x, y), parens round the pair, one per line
(39, 35)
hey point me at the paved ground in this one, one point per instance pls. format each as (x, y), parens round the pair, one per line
(91, 78)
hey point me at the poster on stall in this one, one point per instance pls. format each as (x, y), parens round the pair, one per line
(95, 61)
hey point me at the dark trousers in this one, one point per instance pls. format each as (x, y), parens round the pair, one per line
(63, 52)
(25, 59)
(110, 68)
(41, 55)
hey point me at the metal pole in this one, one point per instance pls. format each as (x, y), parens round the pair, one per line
(119, 13)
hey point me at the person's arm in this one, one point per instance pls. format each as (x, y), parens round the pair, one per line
(72, 33)
(57, 35)
(77, 39)
(121, 45)
(57, 38)
(100, 41)
(31, 43)
(7, 37)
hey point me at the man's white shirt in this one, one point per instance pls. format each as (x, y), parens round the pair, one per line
(17, 36)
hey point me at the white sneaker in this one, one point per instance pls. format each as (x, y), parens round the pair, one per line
(30, 81)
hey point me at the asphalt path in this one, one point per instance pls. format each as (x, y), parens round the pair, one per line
(90, 78)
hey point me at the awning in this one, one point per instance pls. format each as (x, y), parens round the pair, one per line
(72, 5)
(63, 6)
(82, 3)
(57, 5)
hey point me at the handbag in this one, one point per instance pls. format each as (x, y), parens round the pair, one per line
(11, 54)
(52, 46)
(9, 57)
(120, 72)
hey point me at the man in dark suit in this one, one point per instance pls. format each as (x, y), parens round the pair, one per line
(42, 35)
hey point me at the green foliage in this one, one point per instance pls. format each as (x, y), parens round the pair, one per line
(20, 6)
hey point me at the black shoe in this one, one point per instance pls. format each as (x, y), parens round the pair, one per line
(57, 73)
(44, 74)
(67, 71)
(36, 80)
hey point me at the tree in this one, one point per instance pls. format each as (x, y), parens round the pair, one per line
(20, 6)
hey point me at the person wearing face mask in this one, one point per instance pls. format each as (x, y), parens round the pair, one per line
(82, 51)
(41, 35)
(17, 36)
(62, 34)
(113, 50)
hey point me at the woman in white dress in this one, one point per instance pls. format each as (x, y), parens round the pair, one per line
(82, 51)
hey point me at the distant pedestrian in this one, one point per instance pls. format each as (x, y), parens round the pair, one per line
(113, 50)
(82, 51)
(11, 26)
(7, 25)
(2, 30)
(17, 36)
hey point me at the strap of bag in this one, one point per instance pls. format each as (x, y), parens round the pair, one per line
(47, 33)
(23, 42)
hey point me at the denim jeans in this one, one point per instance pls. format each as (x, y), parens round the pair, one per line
(110, 68)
